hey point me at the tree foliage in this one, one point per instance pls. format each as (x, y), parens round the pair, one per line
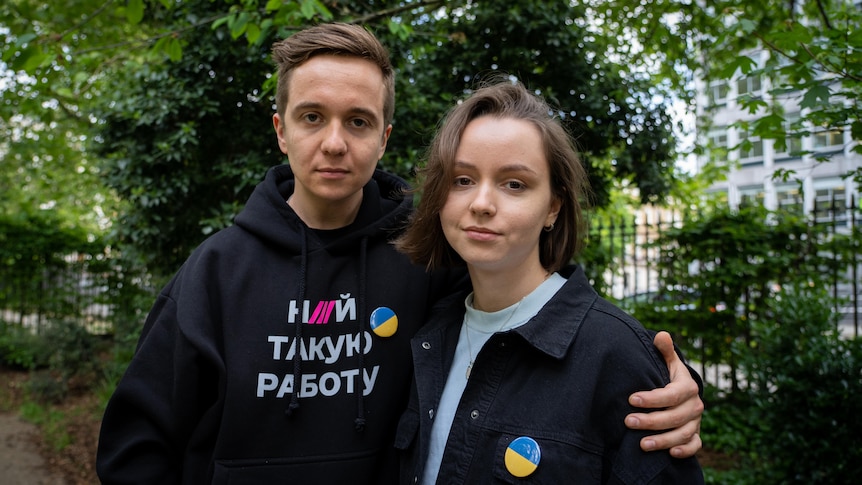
(184, 142)
(176, 94)
(174, 98)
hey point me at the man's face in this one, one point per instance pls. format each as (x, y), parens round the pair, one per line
(332, 132)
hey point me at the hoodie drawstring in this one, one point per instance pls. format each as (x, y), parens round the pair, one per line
(359, 422)
(297, 357)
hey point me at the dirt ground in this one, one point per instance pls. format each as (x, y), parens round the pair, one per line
(21, 463)
(25, 456)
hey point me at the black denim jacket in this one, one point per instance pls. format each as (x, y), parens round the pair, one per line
(562, 379)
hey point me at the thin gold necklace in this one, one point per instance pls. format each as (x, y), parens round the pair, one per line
(467, 334)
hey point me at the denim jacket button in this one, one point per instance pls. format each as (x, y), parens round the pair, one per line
(474, 414)
(426, 345)
(431, 414)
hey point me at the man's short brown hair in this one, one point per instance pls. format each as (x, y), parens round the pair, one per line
(337, 39)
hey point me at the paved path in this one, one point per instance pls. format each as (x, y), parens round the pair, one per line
(20, 461)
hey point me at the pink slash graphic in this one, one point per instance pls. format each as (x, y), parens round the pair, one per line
(322, 312)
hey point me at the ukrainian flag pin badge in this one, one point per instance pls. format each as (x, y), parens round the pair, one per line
(384, 322)
(523, 456)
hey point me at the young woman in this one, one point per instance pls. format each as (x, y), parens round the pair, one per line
(526, 377)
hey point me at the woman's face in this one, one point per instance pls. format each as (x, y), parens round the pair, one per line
(500, 197)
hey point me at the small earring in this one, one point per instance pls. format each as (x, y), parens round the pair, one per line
(549, 228)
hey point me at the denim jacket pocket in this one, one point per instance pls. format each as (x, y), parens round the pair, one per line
(560, 462)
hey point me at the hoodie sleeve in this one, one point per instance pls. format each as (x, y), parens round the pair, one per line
(160, 401)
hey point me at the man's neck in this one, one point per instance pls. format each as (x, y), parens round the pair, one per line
(326, 215)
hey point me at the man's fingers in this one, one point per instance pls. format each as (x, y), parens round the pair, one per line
(664, 343)
(689, 449)
(663, 397)
(691, 410)
(682, 386)
(685, 440)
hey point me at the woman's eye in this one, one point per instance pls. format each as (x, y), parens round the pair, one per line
(514, 185)
(462, 181)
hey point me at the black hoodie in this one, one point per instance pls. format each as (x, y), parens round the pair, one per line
(209, 395)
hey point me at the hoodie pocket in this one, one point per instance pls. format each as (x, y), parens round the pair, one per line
(351, 468)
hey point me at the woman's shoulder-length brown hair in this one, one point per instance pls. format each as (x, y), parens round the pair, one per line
(424, 242)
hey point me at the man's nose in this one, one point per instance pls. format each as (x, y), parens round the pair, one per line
(334, 141)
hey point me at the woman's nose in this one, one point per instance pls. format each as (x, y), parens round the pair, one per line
(483, 202)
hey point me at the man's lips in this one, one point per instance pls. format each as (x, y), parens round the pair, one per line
(333, 172)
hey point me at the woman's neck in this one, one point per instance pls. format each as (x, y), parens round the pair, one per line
(494, 291)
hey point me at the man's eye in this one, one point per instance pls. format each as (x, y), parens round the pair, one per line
(311, 117)
(359, 123)
(514, 185)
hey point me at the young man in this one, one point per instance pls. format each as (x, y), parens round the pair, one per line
(280, 350)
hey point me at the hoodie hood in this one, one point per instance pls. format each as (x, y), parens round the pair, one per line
(384, 210)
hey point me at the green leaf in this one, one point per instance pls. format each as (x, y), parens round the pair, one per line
(135, 11)
(747, 26)
(65, 92)
(743, 64)
(817, 95)
(252, 33)
(238, 26)
(175, 49)
(307, 8)
(221, 21)
(30, 60)
(856, 130)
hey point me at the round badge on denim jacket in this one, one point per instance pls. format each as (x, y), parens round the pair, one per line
(523, 456)
(384, 322)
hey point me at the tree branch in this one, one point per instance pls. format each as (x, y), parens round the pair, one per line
(823, 15)
(396, 10)
(85, 21)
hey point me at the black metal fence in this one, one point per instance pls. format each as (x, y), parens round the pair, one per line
(82, 288)
(73, 289)
(633, 272)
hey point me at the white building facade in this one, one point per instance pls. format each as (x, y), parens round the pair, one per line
(753, 162)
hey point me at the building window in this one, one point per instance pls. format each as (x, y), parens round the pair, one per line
(793, 139)
(750, 148)
(718, 143)
(828, 138)
(751, 196)
(718, 92)
(749, 86)
(790, 198)
(830, 203)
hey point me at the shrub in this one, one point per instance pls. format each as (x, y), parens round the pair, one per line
(74, 351)
(20, 348)
(804, 389)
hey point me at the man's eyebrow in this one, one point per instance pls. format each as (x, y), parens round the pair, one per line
(356, 110)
